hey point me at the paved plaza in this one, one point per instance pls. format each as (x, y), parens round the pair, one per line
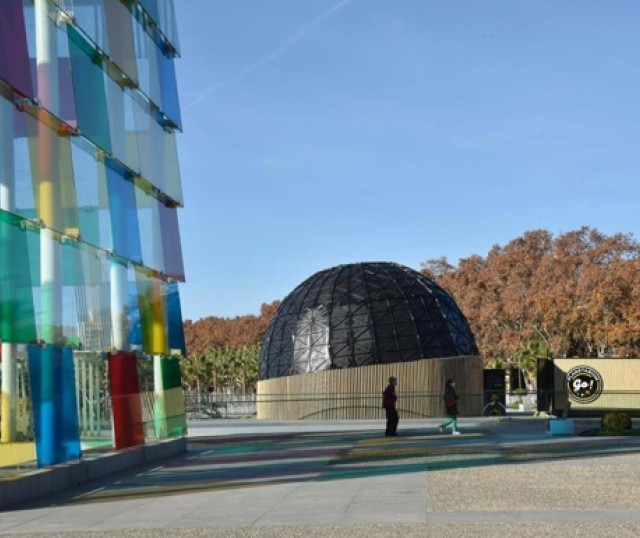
(244, 478)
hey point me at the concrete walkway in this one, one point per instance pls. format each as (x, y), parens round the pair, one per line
(248, 478)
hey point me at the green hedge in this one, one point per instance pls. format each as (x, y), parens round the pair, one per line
(616, 422)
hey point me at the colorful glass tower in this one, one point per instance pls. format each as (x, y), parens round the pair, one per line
(90, 252)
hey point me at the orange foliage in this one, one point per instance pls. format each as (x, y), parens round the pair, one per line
(578, 292)
(233, 332)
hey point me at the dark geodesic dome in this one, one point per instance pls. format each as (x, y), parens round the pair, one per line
(360, 314)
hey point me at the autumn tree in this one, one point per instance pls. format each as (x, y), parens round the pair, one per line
(576, 293)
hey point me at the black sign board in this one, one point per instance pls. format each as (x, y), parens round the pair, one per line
(494, 392)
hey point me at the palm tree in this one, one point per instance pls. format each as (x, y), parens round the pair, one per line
(527, 355)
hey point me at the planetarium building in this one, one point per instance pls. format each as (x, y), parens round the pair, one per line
(340, 334)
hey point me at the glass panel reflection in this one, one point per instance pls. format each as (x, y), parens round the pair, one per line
(89, 89)
(17, 316)
(125, 230)
(14, 54)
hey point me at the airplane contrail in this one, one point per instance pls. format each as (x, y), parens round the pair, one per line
(297, 36)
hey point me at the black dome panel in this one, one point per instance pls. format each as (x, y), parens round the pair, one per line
(359, 314)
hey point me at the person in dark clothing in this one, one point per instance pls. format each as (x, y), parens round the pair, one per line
(450, 398)
(389, 399)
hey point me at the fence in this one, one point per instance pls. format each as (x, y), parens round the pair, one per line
(219, 405)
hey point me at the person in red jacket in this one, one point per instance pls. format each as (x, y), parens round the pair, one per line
(389, 399)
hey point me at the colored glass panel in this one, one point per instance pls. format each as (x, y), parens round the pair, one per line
(151, 142)
(91, 192)
(152, 315)
(168, 88)
(55, 410)
(89, 90)
(46, 265)
(171, 244)
(120, 37)
(52, 177)
(173, 183)
(50, 72)
(134, 323)
(90, 16)
(86, 298)
(167, 22)
(125, 229)
(151, 7)
(17, 315)
(128, 426)
(147, 64)
(174, 319)
(14, 54)
(170, 369)
(17, 193)
(174, 415)
(150, 231)
(124, 140)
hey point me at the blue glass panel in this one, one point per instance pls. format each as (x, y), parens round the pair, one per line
(125, 229)
(167, 22)
(14, 54)
(170, 104)
(133, 312)
(174, 319)
(55, 410)
(151, 7)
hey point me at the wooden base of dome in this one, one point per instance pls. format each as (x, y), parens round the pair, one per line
(356, 393)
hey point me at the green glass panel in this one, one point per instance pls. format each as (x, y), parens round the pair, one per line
(73, 308)
(170, 368)
(17, 314)
(89, 90)
(48, 289)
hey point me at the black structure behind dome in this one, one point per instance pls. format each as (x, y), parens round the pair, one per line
(360, 314)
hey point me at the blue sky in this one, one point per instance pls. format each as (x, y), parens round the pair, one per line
(322, 132)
